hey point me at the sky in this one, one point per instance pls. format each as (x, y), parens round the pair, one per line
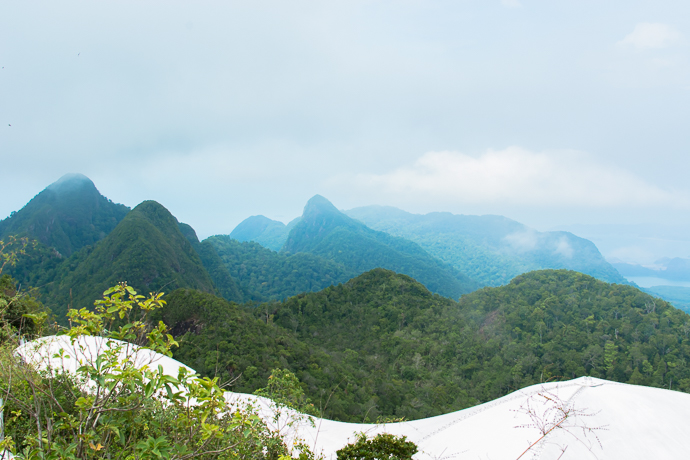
(558, 114)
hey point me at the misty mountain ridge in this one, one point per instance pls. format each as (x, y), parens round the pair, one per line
(67, 215)
(270, 234)
(491, 249)
(325, 231)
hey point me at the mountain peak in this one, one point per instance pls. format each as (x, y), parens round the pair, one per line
(320, 205)
(71, 182)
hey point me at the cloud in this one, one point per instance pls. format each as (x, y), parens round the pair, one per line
(522, 241)
(511, 3)
(516, 176)
(564, 248)
(648, 35)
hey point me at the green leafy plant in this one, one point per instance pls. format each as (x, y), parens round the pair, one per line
(111, 407)
(383, 446)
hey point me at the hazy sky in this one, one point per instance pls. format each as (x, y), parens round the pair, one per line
(549, 112)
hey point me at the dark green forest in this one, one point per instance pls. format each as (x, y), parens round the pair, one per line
(270, 275)
(146, 249)
(383, 345)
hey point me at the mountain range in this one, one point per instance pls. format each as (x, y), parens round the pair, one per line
(83, 239)
(380, 313)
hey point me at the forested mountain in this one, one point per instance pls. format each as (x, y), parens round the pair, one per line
(327, 232)
(146, 249)
(489, 249)
(227, 286)
(268, 233)
(68, 215)
(382, 344)
(268, 275)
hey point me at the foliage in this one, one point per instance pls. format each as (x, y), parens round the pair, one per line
(111, 408)
(147, 249)
(268, 275)
(490, 249)
(284, 389)
(20, 315)
(383, 345)
(383, 446)
(290, 408)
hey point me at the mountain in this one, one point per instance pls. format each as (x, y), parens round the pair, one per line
(268, 233)
(268, 275)
(227, 286)
(68, 215)
(146, 249)
(327, 232)
(489, 249)
(383, 345)
(673, 269)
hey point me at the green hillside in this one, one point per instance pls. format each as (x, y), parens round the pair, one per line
(383, 345)
(490, 249)
(146, 249)
(227, 286)
(68, 215)
(269, 275)
(327, 232)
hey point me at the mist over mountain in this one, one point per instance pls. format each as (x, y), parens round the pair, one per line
(270, 234)
(490, 249)
(331, 234)
(67, 215)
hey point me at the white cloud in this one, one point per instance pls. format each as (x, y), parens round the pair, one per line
(516, 176)
(649, 35)
(511, 3)
(564, 248)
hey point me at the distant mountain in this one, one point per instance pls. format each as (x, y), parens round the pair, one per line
(489, 249)
(268, 233)
(327, 232)
(674, 269)
(146, 249)
(268, 275)
(68, 215)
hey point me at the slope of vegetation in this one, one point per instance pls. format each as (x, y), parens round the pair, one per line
(146, 249)
(490, 249)
(269, 275)
(383, 345)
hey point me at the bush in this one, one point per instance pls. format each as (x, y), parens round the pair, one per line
(383, 446)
